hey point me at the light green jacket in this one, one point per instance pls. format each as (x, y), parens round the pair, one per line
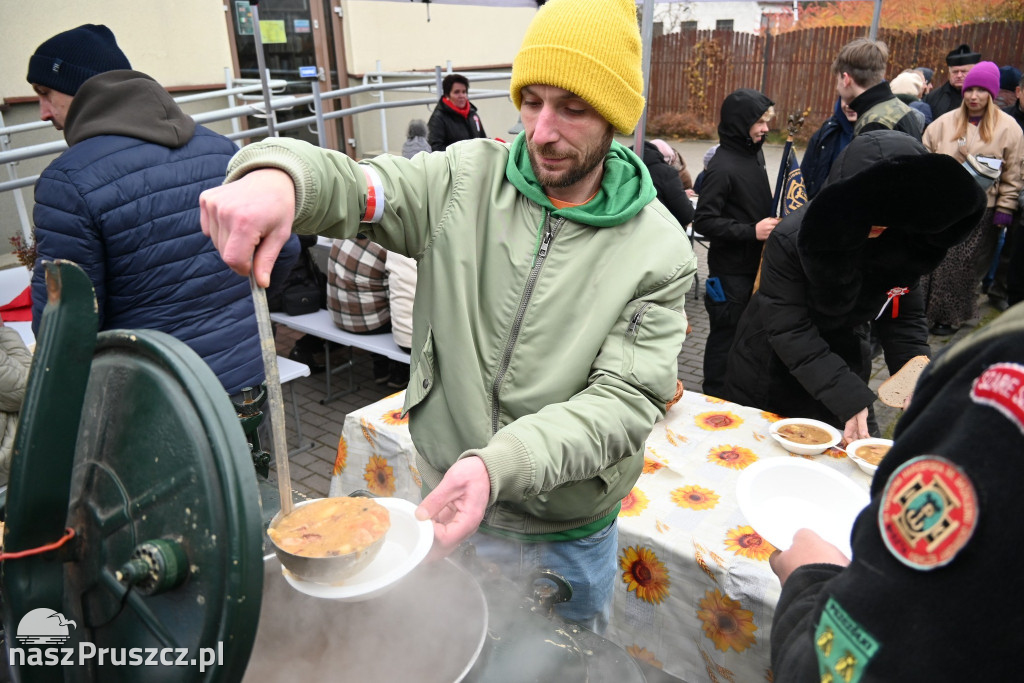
(543, 345)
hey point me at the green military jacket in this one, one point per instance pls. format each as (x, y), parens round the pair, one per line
(544, 341)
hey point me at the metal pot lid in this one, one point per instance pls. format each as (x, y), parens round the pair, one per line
(156, 481)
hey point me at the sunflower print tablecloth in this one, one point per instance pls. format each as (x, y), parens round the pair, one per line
(695, 595)
(375, 452)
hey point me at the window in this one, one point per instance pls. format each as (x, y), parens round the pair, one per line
(723, 25)
(689, 26)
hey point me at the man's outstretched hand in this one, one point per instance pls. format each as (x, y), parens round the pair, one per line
(808, 548)
(457, 505)
(249, 220)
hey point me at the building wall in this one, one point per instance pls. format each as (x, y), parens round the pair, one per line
(398, 34)
(746, 16)
(399, 37)
(179, 43)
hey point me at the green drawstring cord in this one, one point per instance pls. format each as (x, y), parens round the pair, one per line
(540, 235)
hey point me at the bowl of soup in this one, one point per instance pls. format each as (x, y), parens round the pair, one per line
(868, 453)
(804, 436)
(327, 540)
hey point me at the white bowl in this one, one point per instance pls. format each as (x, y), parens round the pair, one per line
(851, 451)
(803, 448)
(780, 495)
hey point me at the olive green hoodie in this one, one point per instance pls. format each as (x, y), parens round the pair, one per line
(544, 341)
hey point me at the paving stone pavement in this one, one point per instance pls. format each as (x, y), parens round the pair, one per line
(321, 424)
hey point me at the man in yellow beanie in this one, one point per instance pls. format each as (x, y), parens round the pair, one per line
(549, 308)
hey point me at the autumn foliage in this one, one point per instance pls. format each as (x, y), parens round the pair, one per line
(909, 15)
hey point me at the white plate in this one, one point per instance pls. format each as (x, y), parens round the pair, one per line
(803, 448)
(406, 544)
(780, 495)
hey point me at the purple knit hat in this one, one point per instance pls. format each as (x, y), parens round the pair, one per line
(983, 75)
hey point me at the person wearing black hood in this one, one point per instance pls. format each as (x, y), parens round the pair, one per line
(734, 212)
(949, 95)
(853, 255)
(667, 183)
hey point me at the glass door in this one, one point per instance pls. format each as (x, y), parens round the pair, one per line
(295, 33)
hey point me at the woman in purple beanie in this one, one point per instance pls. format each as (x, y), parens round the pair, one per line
(979, 135)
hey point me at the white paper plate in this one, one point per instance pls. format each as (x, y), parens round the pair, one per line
(406, 544)
(780, 495)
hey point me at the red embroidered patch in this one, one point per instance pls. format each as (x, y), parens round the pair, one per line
(928, 513)
(1002, 387)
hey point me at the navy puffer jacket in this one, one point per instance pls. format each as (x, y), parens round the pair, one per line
(123, 203)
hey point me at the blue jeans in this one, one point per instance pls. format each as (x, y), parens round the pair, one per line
(588, 564)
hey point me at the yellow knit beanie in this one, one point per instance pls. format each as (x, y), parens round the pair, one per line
(591, 48)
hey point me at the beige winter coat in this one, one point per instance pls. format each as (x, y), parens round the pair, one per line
(15, 360)
(1007, 144)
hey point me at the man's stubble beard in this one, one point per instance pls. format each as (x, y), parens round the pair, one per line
(577, 171)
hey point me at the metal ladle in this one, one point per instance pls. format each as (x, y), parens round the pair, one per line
(259, 298)
(275, 399)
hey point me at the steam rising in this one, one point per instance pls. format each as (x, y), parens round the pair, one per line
(429, 628)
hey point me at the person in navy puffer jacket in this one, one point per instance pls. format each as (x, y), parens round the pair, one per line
(123, 203)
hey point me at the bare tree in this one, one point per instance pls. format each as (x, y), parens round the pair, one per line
(671, 15)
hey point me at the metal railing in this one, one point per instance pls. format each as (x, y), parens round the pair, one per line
(245, 98)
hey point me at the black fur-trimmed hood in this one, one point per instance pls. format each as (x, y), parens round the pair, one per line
(928, 202)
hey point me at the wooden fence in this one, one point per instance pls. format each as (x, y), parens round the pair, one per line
(693, 71)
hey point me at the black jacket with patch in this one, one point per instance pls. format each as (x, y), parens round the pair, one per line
(957, 622)
(801, 348)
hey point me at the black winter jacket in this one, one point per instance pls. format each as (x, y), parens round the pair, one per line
(123, 203)
(669, 186)
(446, 126)
(735, 193)
(823, 148)
(897, 616)
(801, 348)
(1014, 111)
(943, 99)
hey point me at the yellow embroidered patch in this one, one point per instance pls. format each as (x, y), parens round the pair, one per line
(843, 647)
